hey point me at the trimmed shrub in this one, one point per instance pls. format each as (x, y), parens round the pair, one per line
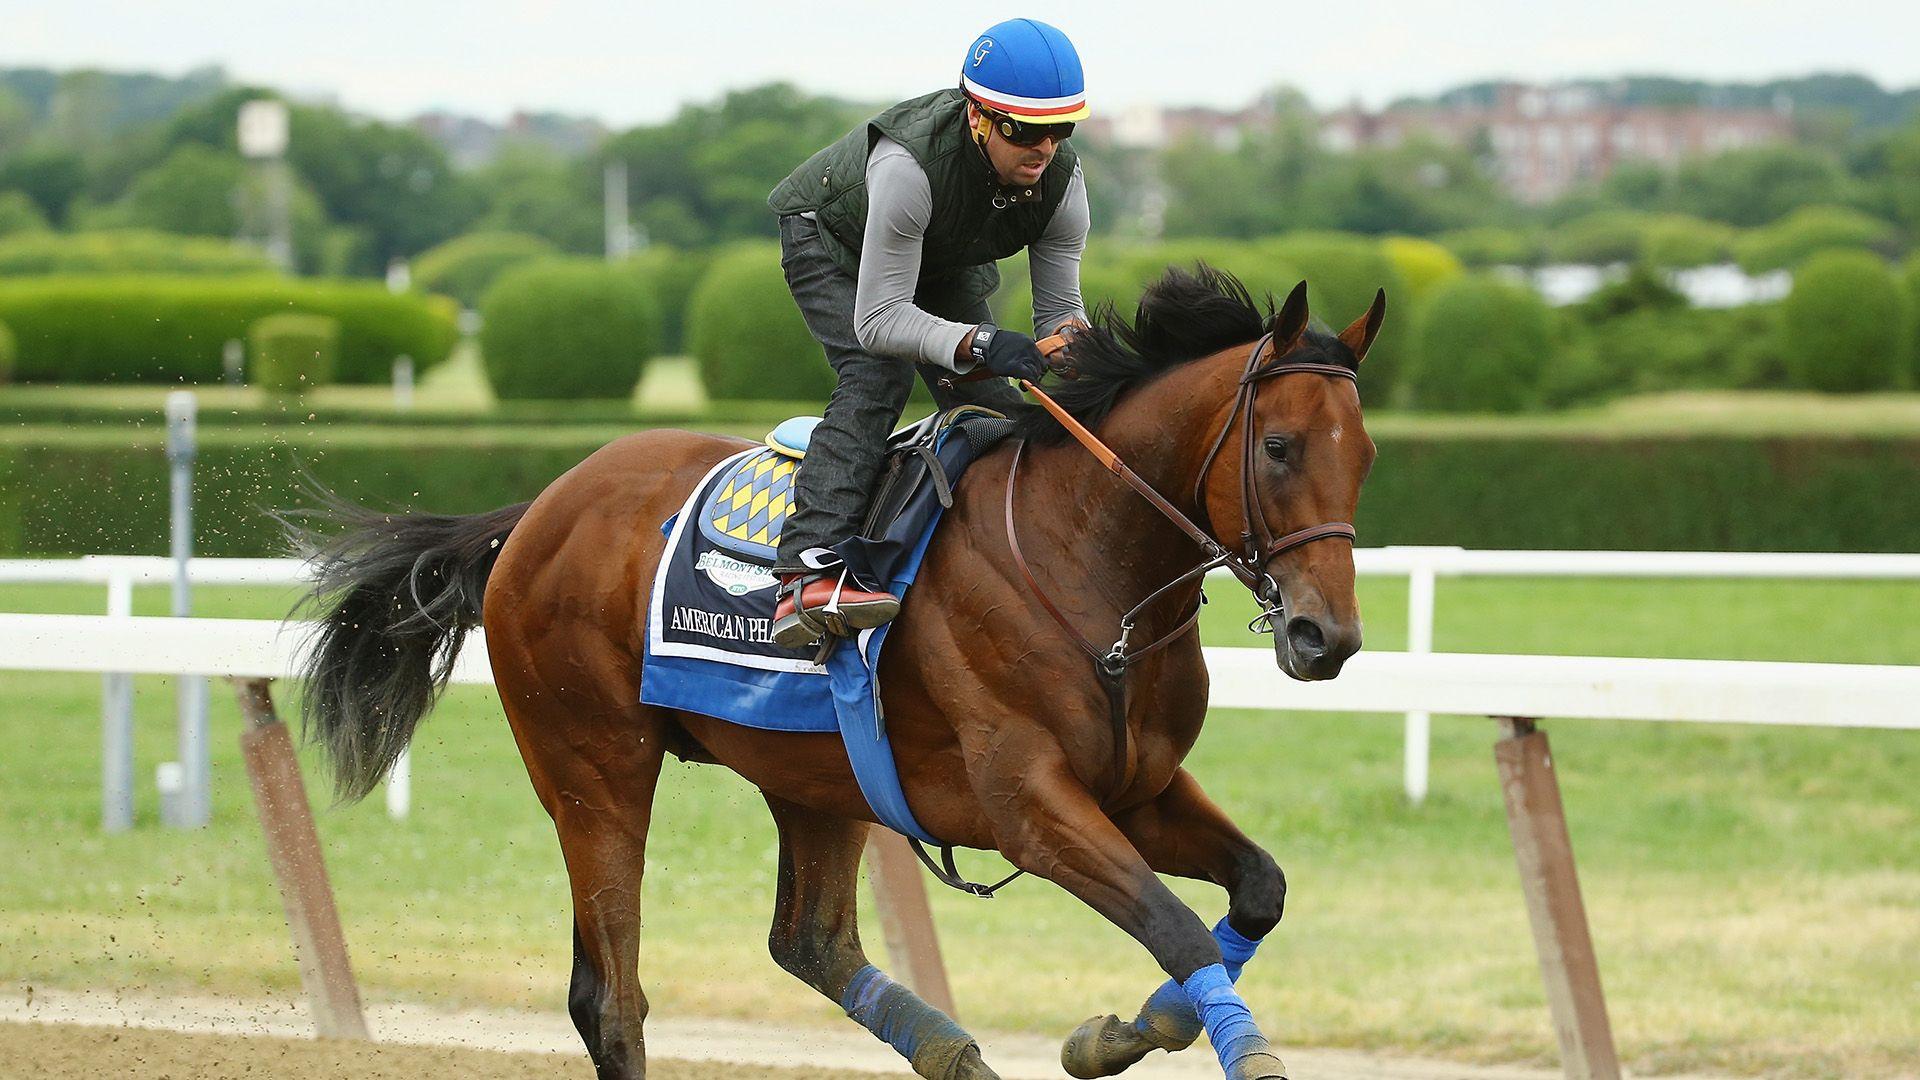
(7, 353)
(1493, 246)
(1600, 238)
(569, 329)
(669, 276)
(1422, 264)
(1343, 272)
(19, 214)
(746, 332)
(1789, 241)
(465, 266)
(1677, 242)
(293, 353)
(1845, 324)
(1484, 345)
(170, 329)
(126, 251)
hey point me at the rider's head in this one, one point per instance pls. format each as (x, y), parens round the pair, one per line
(1024, 93)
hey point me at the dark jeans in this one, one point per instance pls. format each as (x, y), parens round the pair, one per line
(843, 460)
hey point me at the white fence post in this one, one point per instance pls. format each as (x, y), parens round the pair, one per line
(116, 749)
(193, 805)
(1420, 581)
(400, 786)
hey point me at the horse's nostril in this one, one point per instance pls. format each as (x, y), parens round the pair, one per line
(1305, 638)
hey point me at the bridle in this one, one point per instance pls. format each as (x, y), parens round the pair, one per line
(1258, 548)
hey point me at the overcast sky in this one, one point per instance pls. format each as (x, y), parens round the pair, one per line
(633, 61)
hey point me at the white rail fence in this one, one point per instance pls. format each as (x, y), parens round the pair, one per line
(1516, 689)
(1421, 566)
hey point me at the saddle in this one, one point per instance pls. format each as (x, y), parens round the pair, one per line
(744, 513)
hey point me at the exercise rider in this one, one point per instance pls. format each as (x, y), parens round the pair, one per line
(888, 238)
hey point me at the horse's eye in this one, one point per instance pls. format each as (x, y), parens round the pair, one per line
(1277, 447)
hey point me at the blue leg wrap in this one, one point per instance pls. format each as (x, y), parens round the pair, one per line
(1228, 1021)
(1167, 1018)
(901, 1020)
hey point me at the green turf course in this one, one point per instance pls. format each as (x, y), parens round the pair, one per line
(1754, 893)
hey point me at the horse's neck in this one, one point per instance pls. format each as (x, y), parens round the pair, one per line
(1101, 538)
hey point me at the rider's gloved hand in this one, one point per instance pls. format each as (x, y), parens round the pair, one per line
(1013, 354)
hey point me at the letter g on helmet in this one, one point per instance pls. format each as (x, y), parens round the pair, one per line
(1027, 70)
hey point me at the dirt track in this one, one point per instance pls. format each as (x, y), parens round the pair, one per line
(75, 1052)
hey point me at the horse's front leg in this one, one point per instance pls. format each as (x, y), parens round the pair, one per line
(1182, 832)
(1049, 824)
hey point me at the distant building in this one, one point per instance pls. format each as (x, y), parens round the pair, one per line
(1150, 127)
(1542, 141)
(471, 142)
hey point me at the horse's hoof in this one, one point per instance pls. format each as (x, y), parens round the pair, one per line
(1259, 1065)
(1103, 1046)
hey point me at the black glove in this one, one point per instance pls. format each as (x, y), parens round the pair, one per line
(1014, 355)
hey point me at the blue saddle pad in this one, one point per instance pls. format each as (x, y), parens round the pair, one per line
(709, 638)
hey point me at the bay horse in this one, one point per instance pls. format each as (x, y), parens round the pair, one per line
(1002, 730)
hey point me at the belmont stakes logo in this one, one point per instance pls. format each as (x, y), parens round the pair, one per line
(738, 578)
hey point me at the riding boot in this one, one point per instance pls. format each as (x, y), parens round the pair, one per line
(812, 605)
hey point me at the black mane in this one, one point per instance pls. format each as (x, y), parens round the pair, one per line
(1184, 316)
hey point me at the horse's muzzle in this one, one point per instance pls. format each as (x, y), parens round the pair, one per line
(1311, 649)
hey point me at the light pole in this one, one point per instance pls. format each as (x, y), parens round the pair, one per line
(263, 139)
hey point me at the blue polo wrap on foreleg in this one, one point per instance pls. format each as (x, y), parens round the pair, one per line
(922, 1034)
(1229, 1023)
(1168, 1019)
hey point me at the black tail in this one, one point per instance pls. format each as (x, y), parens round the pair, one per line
(394, 595)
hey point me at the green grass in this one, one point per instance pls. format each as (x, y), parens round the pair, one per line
(1754, 893)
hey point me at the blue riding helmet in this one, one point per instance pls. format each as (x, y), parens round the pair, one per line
(1027, 70)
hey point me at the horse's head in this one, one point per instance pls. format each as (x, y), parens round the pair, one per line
(1292, 460)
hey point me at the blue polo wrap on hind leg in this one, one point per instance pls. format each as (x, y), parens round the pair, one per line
(922, 1034)
(1168, 1019)
(1229, 1023)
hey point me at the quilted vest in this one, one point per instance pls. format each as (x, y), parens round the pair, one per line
(967, 233)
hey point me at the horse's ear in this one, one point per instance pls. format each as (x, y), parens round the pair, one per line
(1359, 336)
(1291, 322)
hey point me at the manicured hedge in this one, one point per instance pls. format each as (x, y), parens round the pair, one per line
(670, 274)
(571, 329)
(126, 251)
(1703, 493)
(1423, 265)
(19, 214)
(746, 332)
(293, 353)
(1484, 346)
(1493, 246)
(168, 329)
(1808, 231)
(1343, 272)
(1846, 322)
(465, 266)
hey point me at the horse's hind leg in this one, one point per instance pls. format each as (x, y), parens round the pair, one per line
(1184, 833)
(816, 937)
(594, 764)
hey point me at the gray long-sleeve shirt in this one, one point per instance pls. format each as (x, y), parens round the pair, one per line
(899, 206)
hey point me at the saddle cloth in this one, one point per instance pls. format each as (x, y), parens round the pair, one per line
(749, 504)
(709, 644)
